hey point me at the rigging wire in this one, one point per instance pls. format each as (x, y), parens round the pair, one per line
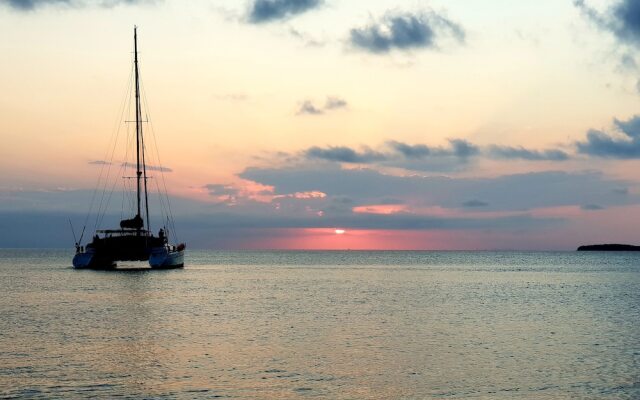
(114, 137)
(107, 192)
(101, 218)
(127, 188)
(160, 166)
(144, 175)
(122, 172)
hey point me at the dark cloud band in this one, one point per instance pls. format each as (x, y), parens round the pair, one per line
(345, 155)
(504, 193)
(421, 157)
(510, 153)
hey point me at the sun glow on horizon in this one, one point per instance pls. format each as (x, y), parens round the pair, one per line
(340, 231)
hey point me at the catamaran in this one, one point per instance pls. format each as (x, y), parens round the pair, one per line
(133, 240)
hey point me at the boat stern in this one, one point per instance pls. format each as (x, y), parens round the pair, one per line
(166, 258)
(82, 260)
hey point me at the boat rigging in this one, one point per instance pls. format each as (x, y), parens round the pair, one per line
(134, 240)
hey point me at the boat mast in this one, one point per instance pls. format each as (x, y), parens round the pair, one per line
(138, 118)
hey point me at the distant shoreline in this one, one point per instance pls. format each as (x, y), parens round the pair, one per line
(609, 247)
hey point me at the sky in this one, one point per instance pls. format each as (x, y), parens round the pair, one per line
(327, 124)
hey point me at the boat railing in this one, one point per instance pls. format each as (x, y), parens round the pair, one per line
(125, 232)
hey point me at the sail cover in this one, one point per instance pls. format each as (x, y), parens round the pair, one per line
(133, 223)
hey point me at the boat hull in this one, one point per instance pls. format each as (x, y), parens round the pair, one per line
(162, 258)
(82, 260)
(89, 260)
(127, 246)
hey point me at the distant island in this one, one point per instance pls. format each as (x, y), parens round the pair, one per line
(609, 247)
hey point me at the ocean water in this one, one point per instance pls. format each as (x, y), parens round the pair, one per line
(335, 325)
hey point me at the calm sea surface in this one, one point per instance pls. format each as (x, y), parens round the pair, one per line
(337, 325)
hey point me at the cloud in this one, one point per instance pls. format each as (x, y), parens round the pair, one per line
(462, 148)
(601, 144)
(405, 31)
(344, 154)
(262, 11)
(398, 154)
(621, 19)
(591, 207)
(509, 153)
(50, 229)
(307, 107)
(514, 193)
(590, 13)
(390, 201)
(621, 191)
(420, 157)
(216, 189)
(417, 151)
(307, 39)
(627, 21)
(374, 221)
(31, 4)
(475, 203)
(148, 167)
(326, 196)
(131, 165)
(628, 62)
(459, 152)
(28, 5)
(457, 148)
(334, 103)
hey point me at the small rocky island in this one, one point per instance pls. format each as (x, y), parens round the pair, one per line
(609, 247)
